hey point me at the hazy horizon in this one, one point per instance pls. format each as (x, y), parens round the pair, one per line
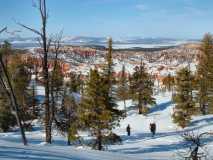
(181, 19)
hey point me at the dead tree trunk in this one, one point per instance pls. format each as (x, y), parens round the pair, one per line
(45, 44)
(99, 140)
(125, 107)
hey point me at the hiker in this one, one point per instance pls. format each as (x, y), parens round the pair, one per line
(153, 129)
(128, 129)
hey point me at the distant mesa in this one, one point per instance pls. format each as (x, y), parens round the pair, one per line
(101, 42)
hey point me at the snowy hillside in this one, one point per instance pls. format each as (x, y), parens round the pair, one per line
(168, 141)
(140, 145)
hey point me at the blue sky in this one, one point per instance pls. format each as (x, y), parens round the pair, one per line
(116, 18)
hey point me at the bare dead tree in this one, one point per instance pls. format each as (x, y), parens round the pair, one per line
(45, 44)
(196, 144)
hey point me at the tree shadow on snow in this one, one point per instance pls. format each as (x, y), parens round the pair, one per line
(148, 136)
(204, 120)
(31, 154)
(173, 147)
(160, 107)
(133, 109)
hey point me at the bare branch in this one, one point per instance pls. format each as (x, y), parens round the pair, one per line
(205, 133)
(39, 41)
(30, 29)
(195, 144)
(49, 44)
(57, 41)
(4, 29)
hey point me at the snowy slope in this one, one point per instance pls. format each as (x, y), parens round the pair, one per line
(141, 143)
(139, 146)
(168, 141)
(14, 151)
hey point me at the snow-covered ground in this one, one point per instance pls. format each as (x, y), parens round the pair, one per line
(168, 141)
(139, 146)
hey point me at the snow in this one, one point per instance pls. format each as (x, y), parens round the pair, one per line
(40, 90)
(154, 45)
(11, 151)
(140, 145)
(168, 140)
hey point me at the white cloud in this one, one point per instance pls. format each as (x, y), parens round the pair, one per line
(141, 7)
(193, 10)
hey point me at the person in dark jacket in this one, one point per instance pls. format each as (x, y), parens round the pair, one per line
(128, 130)
(153, 128)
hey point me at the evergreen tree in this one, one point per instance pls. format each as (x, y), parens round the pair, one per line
(67, 119)
(6, 51)
(183, 98)
(205, 75)
(142, 88)
(123, 88)
(72, 116)
(56, 85)
(95, 112)
(20, 78)
(7, 119)
(7, 86)
(108, 87)
(169, 82)
(75, 83)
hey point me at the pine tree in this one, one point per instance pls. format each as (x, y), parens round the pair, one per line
(168, 82)
(67, 119)
(7, 86)
(142, 88)
(123, 88)
(72, 115)
(75, 83)
(183, 99)
(108, 69)
(205, 75)
(20, 78)
(7, 119)
(56, 85)
(95, 112)
(108, 82)
(6, 51)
